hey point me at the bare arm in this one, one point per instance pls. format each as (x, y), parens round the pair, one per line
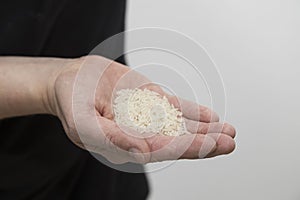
(24, 82)
(46, 85)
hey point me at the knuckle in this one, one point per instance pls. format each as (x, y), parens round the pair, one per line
(204, 128)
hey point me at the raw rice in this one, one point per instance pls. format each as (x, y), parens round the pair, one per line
(147, 112)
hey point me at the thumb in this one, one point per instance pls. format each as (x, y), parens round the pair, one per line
(123, 143)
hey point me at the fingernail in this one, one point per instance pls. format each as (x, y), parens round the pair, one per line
(208, 146)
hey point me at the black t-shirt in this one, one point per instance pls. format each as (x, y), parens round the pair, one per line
(37, 160)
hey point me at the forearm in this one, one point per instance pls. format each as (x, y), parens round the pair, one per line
(24, 83)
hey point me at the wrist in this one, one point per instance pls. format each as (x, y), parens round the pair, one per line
(48, 94)
(24, 84)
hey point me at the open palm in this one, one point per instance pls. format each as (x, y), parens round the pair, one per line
(82, 99)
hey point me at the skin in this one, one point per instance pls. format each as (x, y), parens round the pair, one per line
(46, 86)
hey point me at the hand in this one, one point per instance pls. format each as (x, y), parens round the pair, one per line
(209, 138)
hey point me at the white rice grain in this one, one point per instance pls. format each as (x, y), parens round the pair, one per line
(146, 111)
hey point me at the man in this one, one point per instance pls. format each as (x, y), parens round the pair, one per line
(40, 149)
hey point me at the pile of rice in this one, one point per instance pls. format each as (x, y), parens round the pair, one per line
(147, 112)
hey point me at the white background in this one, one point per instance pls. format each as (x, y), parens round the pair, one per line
(256, 46)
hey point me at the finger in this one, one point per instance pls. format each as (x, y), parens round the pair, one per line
(153, 87)
(121, 145)
(193, 111)
(121, 157)
(190, 110)
(204, 128)
(190, 146)
(225, 144)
